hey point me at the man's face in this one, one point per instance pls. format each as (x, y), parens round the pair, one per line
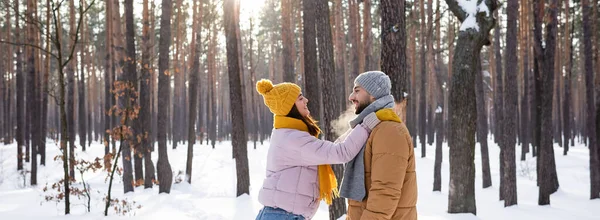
(360, 98)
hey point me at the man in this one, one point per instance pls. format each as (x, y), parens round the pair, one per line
(380, 183)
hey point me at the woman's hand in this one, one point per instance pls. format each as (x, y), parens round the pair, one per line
(371, 121)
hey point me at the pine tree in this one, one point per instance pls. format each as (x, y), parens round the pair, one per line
(510, 94)
(165, 175)
(461, 197)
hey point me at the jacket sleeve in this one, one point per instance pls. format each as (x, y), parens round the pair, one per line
(388, 168)
(313, 151)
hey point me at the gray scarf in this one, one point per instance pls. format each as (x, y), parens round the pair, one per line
(353, 183)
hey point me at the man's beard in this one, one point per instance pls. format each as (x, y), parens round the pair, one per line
(361, 107)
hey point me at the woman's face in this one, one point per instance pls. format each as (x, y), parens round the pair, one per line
(301, 104)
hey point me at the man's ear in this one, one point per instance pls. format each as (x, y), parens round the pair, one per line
(372, 98)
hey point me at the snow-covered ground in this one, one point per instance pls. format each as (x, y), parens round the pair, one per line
(212, 192)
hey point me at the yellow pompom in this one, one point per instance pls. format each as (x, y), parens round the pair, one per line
(264, 86)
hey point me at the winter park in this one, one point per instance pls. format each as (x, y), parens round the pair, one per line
(308, 109)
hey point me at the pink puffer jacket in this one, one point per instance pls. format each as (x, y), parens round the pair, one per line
(291, 180)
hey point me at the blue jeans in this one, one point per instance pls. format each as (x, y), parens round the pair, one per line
(270, 213)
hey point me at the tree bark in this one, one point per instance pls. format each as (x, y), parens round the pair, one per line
(145, 117)
(548, 183)
(591, 123)
(525, 101)
(437, 169)
(165, 175)
(287, 41)
(368, 36)
(194, 75)
(20, 92)
(567, 80)
(108, 78)
(393, 51)
(230, 14)
(311, 79)
(71, 92)
(340, 54)
(81, 111)
(32, 96)
(354, 29)
(499, 104)
(466, 64)
(510, 94)
(423, 89)
(330, 109)
(482, 130)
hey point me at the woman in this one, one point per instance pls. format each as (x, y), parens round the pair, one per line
(298, 174)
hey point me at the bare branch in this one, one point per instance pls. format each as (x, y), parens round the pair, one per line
(457, 10)
(82, 12)
(29, 45)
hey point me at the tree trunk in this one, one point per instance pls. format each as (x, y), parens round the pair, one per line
(20, 92)
(567, 80)
(32, 96)
(393, 52)
(145, 117)
(368, 38)
(331, 112)
(437, 169)
(311, 79)
(287, 41)
(510, 94)
(466, 64)
(108, 79)
(499, 104)
(354, 34)
(482, 130)
(127, 77)
(591, 123)
(71, 93)
(194, 75)
(82, 116)
(165, 175)
(548, 183)
(423, 89)
(525, 101)
(340, 54)
(138, 138)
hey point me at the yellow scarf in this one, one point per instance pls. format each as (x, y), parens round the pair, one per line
(327, 181)
(387, 114)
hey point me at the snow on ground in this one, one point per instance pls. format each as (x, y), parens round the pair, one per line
(212, 192)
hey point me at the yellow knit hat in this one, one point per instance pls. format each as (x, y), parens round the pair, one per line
(279, 98)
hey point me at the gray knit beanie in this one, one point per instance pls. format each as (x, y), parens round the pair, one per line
(376, 83)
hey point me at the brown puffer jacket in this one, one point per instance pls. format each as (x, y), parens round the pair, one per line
(390, 177)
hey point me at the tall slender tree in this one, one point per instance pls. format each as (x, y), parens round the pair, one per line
(393, 51)
(145, 117)
(482, 130)
(567, 79)
(108, 77)
(194, 78)
(230, 15)
(32, 78)
(20, 93)
(544, 55)
(466, 64)
(586, 7)
(423, 89)
(510, 94)
(81, 111)
(368, 35)
(71, 90)
(165, 175)
(311, 79)
(287, 41)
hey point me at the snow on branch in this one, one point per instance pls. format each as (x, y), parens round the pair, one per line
(471, 9)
